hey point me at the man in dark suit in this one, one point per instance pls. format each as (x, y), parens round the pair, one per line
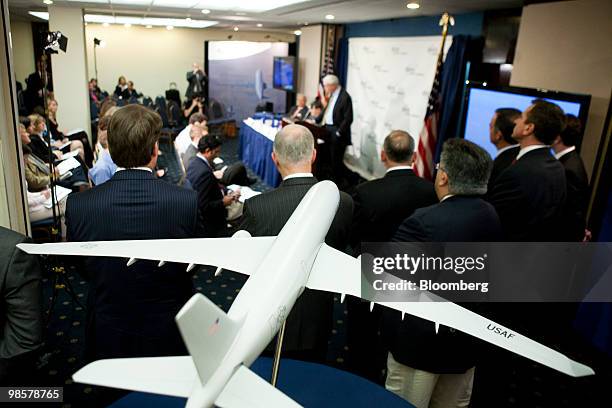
(300, 110)
(575, 176)
(309, 324)
(131, 309)
(529, 196)
(423, 365)
(337, 119)
(21, 319)
(380, 207)
(35, 85)
(211, 198)
(197, 82)
(500, 134)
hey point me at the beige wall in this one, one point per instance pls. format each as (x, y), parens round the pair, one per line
(310, 61)
(567, 46)
(70, 70)
(23, 50)
(154, 57)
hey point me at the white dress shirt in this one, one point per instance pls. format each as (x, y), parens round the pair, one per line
(528, 149)
(134, 168)
(296, 175)
(564, 152)
(183, 140)
(328, 119)
(503, 149)
(398, 168)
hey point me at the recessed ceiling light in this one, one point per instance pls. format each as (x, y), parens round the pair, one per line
(297, 32)
(241, 13)
(127, 25)
(205, 11)
(148, 26)
(188, 19)
(306, 23)
(169, 27)
(413, 5)
(259, 25)
(236, 28)
(105, 24)
(48, 2)
(330, 17)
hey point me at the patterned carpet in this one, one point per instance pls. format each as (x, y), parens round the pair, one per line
(506, 381)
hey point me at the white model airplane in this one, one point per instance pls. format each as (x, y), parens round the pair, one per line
(222, 345)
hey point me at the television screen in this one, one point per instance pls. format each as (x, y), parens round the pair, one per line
(284, 73)
(482, 102)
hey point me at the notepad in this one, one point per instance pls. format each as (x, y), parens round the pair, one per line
(60, 194)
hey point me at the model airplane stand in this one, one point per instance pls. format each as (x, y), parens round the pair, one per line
(308, 384)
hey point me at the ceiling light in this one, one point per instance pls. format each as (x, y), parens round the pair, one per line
(236, 28)
(148, 26)
(127, 25)
(169, 27)
(413, 5)
(188, 19)
(306, 23)
(205, 11)
(259, 25)
(105, 24)
(40, 14)
(330, 17)
(297, 32)
(48, 2)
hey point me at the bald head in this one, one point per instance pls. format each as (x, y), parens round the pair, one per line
(293, 150)
(398, 149)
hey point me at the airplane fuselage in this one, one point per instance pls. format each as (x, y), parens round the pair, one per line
(269, 294)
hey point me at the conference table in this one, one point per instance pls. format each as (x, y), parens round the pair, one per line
(309, 384)
(255, 149)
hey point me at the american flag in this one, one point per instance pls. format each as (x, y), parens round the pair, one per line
(327, 66)
(428, 138)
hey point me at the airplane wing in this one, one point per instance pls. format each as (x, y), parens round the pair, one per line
(174, 376)
(236, 254)
(177, 377)
(247, 389)
(334, 271)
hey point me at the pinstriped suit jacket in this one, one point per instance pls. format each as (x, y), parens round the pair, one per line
(310, 322)
(131, 309)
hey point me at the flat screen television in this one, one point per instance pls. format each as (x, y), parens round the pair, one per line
(482, 101)
(284, 74)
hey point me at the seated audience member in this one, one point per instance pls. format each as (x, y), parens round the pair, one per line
(41, 138)
(104, 168)
(212, 200)
(108, 107)
(309, 323)
(300, 110)
(575, 177)
(196, 133)
(121, 88)
(131, 310)
(38, 211)
(183, 140)
(530, 195)
(380, 207)
(95, 94)
(21, 319)
(76, 137)
(500, 134)
(436, 368)
(131, 92)
(315, 114)
(193, 106)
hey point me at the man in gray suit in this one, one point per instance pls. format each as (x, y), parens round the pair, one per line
(310, 322)
(21, 326)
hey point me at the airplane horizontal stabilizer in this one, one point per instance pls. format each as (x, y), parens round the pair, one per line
(247, 389)
(174, 376)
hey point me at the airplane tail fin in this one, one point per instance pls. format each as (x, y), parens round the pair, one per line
(208, 333)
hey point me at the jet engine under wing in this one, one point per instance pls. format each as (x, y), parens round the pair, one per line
(247, 389)
(236, 254)
(174, 376)
(334, 271)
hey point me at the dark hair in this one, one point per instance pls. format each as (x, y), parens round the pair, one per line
(570, 136)
(208, 142)
(25, 121)
(104, 122)
(467, 165)
(504, 122)
(399, 146)
(132, 133)
(548, 120)
(316, 105)
(197, 117)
